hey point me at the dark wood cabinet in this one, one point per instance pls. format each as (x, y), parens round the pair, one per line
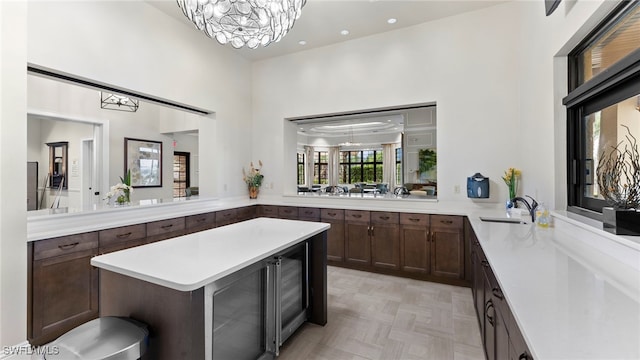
(63, 284)
(500, 334)
(165, 229)
(288, 212)
(226, 217)
(200, 222)
(335, 234)
(357, 249)
(385, 240)
(309, 214)
(246, 213)
(121, 238)
(447, 246)
(415, 254)
(270, 211)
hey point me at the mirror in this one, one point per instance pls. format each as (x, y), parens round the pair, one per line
(389, 153)
(58, 164)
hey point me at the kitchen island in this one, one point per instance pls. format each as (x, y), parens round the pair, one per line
(179, 286)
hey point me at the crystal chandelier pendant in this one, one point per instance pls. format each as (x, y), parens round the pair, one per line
(243, 22)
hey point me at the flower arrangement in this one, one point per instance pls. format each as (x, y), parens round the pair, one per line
(121, 191)
(619, 175)
(510, 178)
(253, 179)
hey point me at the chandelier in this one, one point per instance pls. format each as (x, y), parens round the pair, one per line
(243, 22)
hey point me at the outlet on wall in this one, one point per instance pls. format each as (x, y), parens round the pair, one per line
(456, 189)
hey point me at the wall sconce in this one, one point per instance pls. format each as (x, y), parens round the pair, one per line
(118, 102)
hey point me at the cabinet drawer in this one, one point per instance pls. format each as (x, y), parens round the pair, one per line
(414, 219)
(165, 226)
(226, 217)
(268, 211)
(332, 214)
(446, 221)
(309, 214)
(383, 217)
(122, 234)
(288, 212)
(246, 213)
(356, 215)
(200, 220)
(64, 245)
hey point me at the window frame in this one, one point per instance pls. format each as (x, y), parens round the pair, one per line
(614, 84)
(301, 168)
(187, 181)
(361, 164)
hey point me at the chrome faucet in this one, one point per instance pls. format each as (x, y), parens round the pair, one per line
(531, 207)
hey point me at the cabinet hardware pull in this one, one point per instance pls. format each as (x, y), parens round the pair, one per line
(167, 226)
(68, 246)
(201, 220)
(448, 222)
(331, 214)
(497, 293)
(488, 307)
(122, 236)
(414, 219)
(524, 356)
(371, 230)
(384, 217)
(485, 263)
(357, 216)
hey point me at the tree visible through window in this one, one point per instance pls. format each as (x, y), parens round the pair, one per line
(360, 166)
(321, 167)
(301, 179)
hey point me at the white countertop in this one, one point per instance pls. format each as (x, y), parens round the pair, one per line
(570, 299)
(189, 262)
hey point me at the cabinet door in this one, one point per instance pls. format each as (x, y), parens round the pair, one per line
(414, 249)
(165, 229)
(478, 284)
(288, 212)
(226, 217)
(335, 241)
(489, 322)
(385, 246)
(447, 246)
(65, 295)
(357, 243)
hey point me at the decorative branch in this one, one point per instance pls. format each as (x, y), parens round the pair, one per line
(619, 174)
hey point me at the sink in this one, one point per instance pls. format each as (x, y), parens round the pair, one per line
(502, 220)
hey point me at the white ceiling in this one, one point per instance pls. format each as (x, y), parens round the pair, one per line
(323, 20)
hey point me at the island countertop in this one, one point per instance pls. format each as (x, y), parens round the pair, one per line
(191, 261)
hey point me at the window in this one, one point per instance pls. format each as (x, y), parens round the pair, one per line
(360, 166)
(399, 166)
(602, 105)
(321, 167)
(301, 169)
(181, 178)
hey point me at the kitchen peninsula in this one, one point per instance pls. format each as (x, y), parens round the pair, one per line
(218, 292)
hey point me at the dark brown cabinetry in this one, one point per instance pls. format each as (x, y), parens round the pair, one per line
(385, 240)
(335, 234)
(415, 254)
(309, 214)
(372, 239)
(246, 213)
(357, 249)
(226, 217)
(288, 212)
(270, 211)
(121, 238)
(200, 222)
(500, 334)
(63, 284)
(447, 246)
(165, 229)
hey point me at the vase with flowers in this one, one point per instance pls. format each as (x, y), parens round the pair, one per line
(121, 191)
(618, 176)
(253, 178)
(511, 178)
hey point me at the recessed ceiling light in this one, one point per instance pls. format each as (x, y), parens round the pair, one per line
(344, 32)
(302, 42)
(392, 21)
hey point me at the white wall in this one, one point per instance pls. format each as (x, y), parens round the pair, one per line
(13, 172)
(492, 73)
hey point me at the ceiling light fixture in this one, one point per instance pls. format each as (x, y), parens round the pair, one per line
(243, 22)
(392, 21)
(302, 42)
(118, 102)
(344, 32)
(350, 142)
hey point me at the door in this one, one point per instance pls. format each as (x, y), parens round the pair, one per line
(90, 193)
(447, 252)
(414, 247)
(357, 243)
(32, 185)
(385, 246)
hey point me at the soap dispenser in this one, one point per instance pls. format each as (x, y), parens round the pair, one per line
(542, 216)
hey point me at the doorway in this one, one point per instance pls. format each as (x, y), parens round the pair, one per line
(181, 174)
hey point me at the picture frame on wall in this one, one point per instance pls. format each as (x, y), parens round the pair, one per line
(144, 159)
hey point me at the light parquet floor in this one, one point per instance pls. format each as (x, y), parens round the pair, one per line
(379, 317)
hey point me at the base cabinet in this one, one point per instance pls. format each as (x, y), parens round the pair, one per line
(447, 246)
(357, 240)
(63, 284)
(500, 334)
(335, 234)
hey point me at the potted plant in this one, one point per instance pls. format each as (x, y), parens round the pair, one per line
(619, 182)
(253, 179)
(121, 191)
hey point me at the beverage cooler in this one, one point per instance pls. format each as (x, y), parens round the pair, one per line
(251, 313)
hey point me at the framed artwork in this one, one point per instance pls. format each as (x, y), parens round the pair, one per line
(144, 159)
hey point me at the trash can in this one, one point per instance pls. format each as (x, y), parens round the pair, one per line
(108, 337)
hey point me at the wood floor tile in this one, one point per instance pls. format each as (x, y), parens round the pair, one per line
(379, 317)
